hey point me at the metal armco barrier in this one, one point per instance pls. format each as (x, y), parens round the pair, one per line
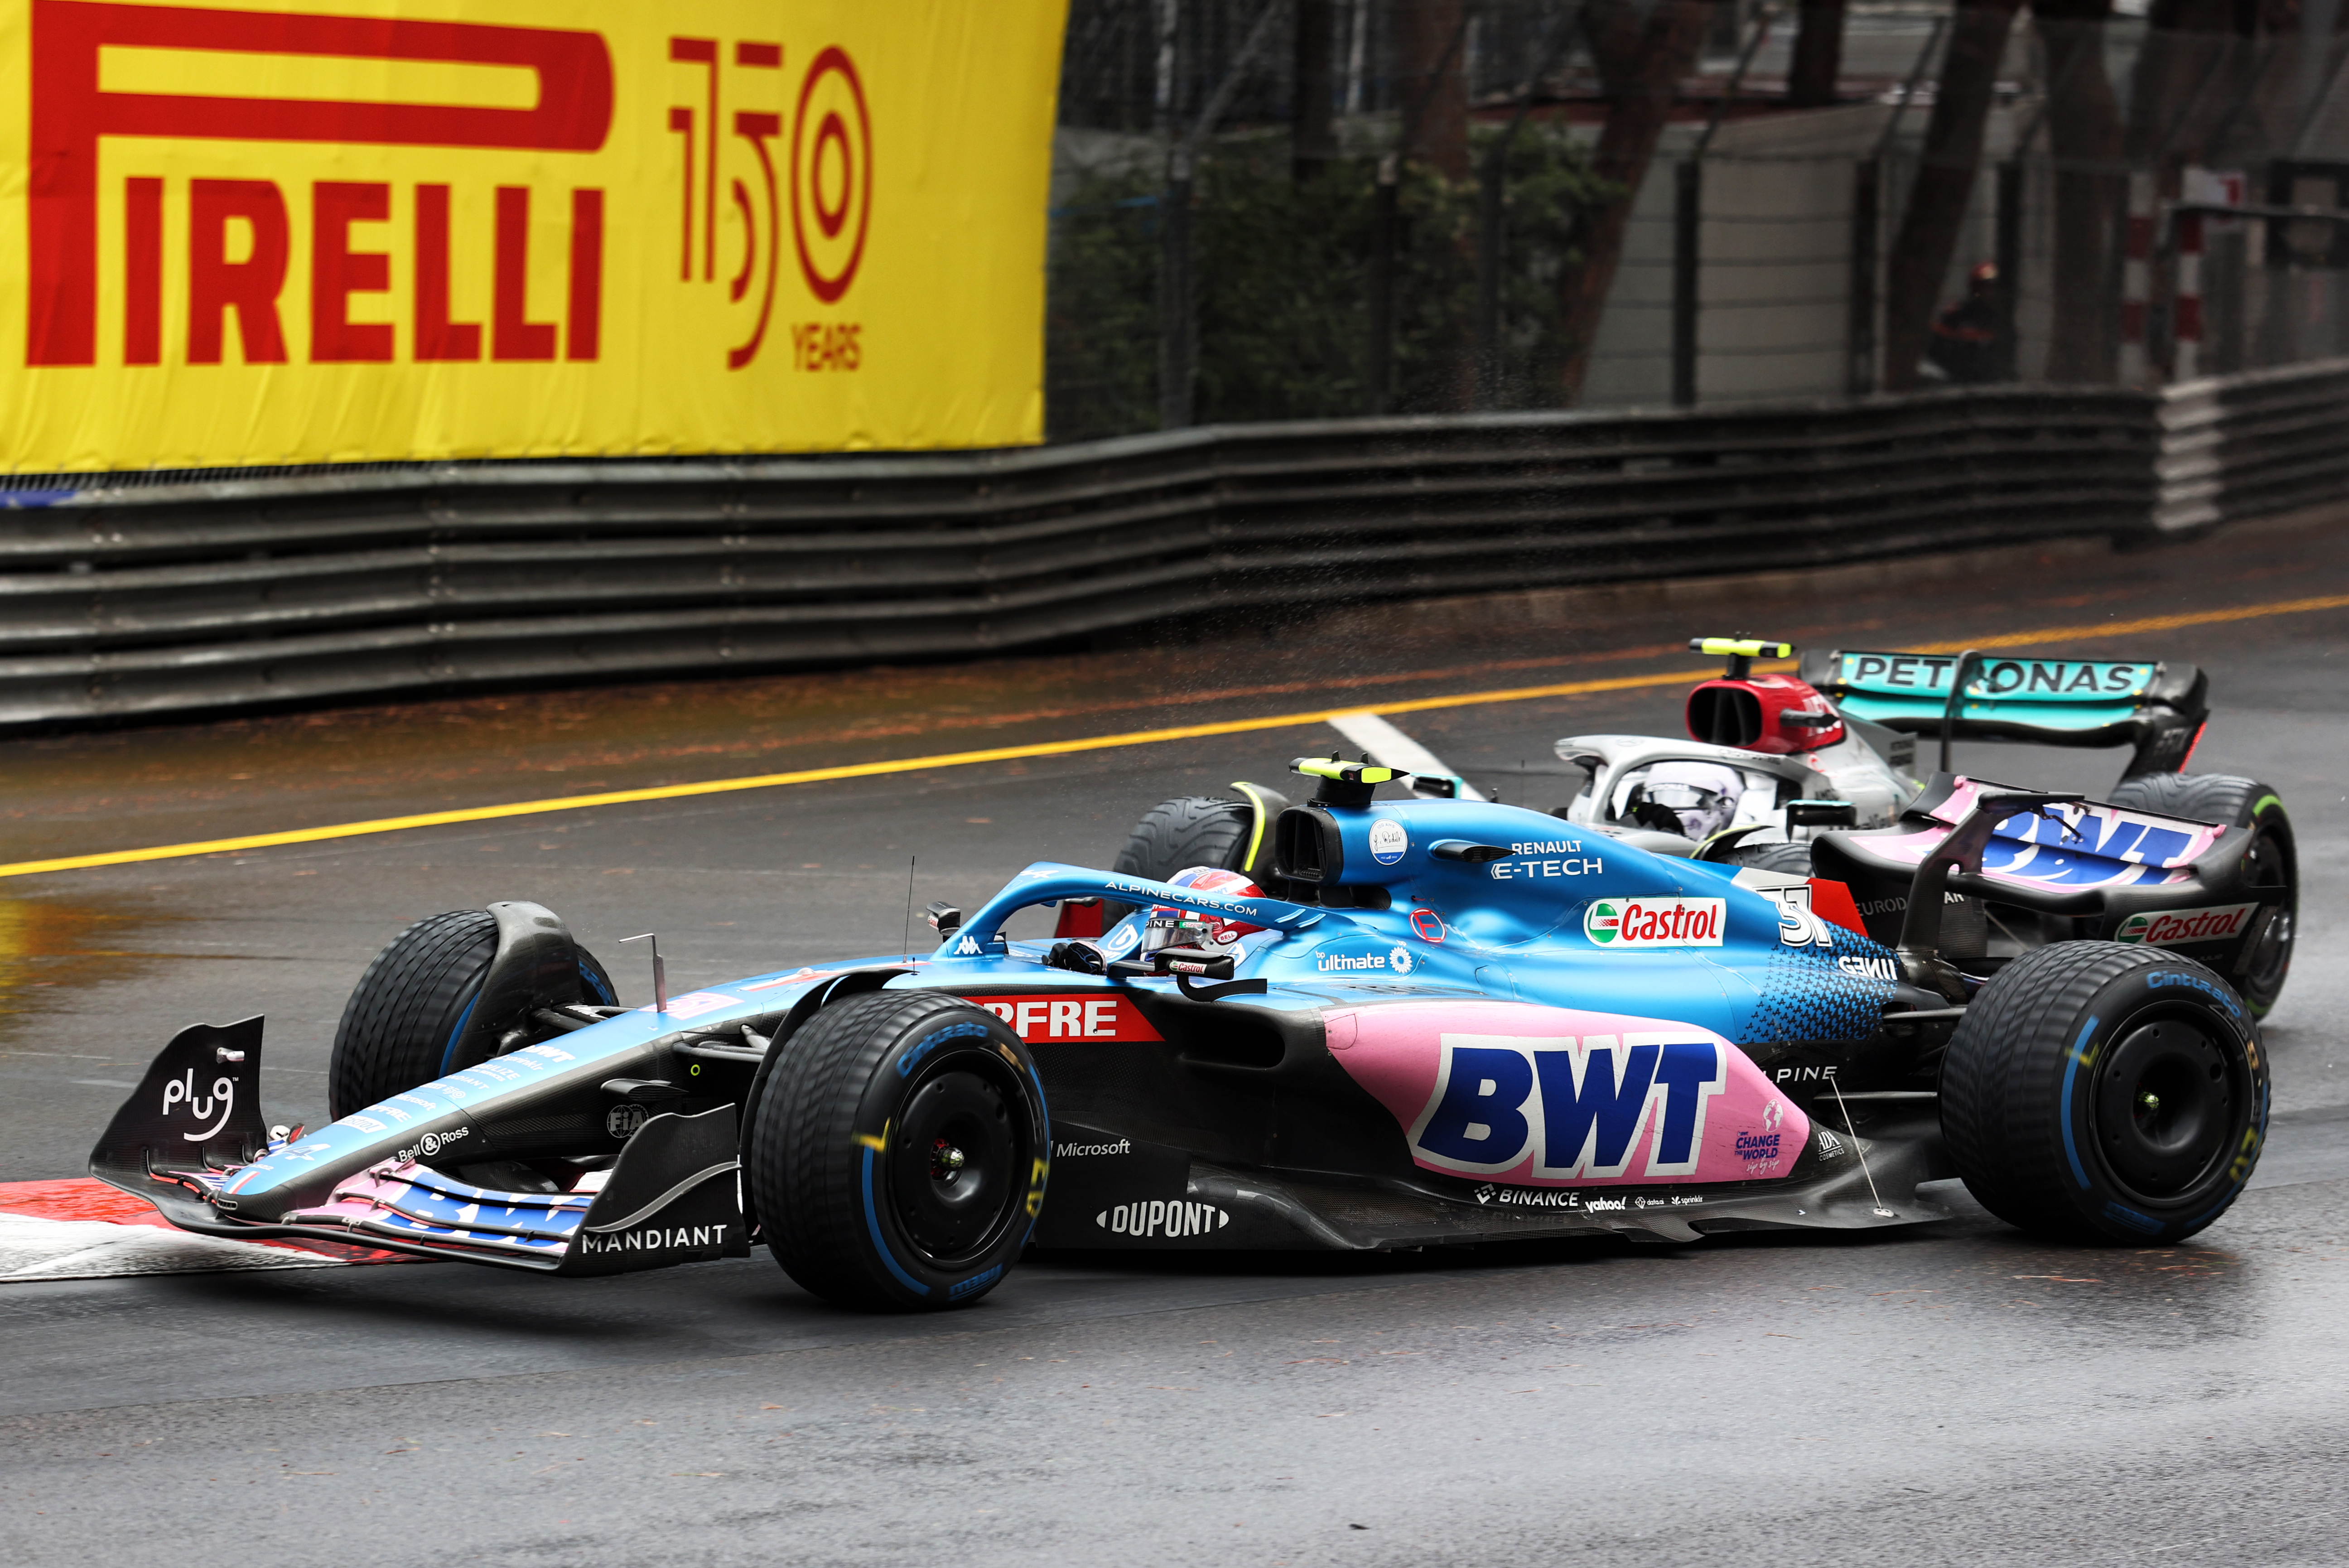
(161, 595)
(2251, 445)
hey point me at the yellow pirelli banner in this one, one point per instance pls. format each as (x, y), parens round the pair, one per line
(335, 230)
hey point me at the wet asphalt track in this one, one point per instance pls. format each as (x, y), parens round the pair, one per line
(1956, 1394)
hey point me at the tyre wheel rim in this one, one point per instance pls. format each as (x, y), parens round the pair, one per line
(2263, 972)
(958, 1157)
(2169, 1104)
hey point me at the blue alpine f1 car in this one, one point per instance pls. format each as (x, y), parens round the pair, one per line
(1457, 1021)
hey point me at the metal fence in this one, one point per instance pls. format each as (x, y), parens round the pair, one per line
(1262, 211)
(226, 595)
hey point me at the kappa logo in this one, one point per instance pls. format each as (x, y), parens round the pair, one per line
(2179, 927)
(1582, 1107)
(182, 1091)
(1655, 923)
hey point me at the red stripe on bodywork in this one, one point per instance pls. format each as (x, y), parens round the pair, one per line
(1832, 901)
(84, 1197)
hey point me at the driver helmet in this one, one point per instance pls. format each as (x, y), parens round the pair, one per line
(1703, 796)
(1170, 927)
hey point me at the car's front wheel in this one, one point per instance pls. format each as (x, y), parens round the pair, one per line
(898, 1161)
(2102, 1093)
(404, 1018)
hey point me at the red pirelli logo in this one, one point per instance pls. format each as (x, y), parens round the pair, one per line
(71, 113)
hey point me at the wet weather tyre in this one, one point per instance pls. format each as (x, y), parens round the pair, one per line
(1176, 834)
(2272, 862)
(2100, 1093)
(1793, 859)
(406, 1010)
(898, 1161)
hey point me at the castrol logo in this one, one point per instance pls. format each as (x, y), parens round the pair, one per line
(1655, 923)
(2179, 927)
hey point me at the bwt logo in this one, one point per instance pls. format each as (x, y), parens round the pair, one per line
(240, 237)
(1580, 1105)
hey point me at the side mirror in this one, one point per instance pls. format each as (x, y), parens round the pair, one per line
(1821, 814)
(944, 919)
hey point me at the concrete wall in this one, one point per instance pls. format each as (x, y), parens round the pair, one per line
(1774, 259)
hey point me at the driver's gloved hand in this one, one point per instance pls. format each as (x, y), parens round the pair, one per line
(1076, 956)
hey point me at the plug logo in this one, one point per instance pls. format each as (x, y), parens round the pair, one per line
(183, 1091)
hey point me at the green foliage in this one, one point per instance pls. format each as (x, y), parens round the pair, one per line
(1283, 276)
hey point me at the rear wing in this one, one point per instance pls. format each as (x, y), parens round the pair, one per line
(2156, 707)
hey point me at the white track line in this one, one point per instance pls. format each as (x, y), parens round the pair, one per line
(1392, 747)
(32, 1248)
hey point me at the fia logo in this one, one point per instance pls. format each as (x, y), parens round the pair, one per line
(183, 1091)
(623, 1120)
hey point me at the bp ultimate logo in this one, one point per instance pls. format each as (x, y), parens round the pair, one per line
(1601, 1105)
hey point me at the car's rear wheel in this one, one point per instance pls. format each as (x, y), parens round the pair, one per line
(412, 1003)
(2271, 864)
(1792, 858)
(898, 1161)
(2100, 1093)
(1176, 834)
